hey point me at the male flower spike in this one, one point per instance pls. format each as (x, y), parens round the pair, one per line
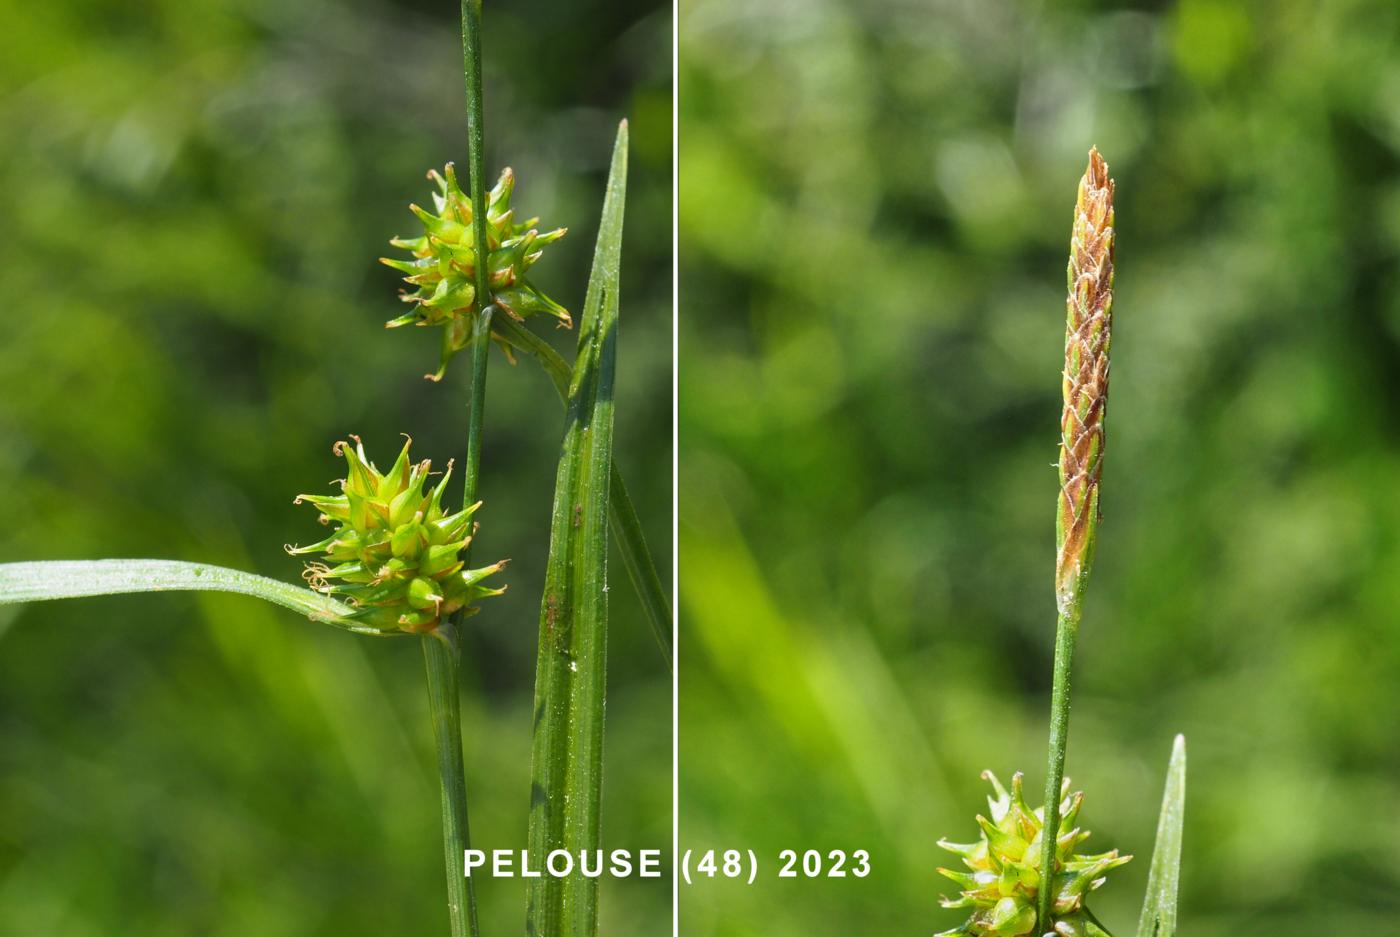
(1088, 335)
(396, 554)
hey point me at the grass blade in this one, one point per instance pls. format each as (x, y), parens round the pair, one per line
(72, 579)
(566, 788)
(1163, 879)
(626, 527)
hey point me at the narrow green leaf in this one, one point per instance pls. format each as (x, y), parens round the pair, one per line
(1163, 879)
(626, 527)
(567, 769)
(72, 579)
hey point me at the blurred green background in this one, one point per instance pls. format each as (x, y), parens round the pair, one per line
(875, 209)
(192, 198)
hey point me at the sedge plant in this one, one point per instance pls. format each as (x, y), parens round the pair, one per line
(1026, 874)
(396, 558)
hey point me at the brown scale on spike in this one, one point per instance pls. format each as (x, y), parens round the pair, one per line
(1088, 333)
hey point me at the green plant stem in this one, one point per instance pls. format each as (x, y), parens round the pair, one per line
(476, 408)
(442, 655)
(1066, 631)
(476, 145)
(442, 649)
(623, 521)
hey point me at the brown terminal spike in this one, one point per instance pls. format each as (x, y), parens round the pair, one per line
(1088, 330)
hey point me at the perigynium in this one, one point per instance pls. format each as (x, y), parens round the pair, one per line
(443, 268)
(1002, 884)
(397, 552)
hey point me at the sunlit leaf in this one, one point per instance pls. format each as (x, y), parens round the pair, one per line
(572, 663)
(624, 524)
(72, 579)
(1163, 878)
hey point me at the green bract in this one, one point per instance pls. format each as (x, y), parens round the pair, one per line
(1003, 884)
(397, 555)
(443, 268)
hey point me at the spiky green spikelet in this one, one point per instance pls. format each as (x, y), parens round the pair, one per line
(443, 268)
(396, 552)
(1002, 885)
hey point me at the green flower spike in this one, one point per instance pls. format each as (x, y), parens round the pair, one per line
(1003, 884)
(396, 553)
(443, 268)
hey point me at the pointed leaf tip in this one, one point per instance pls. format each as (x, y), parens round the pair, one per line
(571, 666)
(1163, 878)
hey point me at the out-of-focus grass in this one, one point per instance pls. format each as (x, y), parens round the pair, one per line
(875, 206)
(192, 198)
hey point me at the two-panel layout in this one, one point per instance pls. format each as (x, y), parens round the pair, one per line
(605, 469)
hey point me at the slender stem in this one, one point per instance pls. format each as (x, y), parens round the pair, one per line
(441, 654)
(1066, 631)
(476, 164)
(476, 406)
(442, 648)
(442, 651)
(476, 146)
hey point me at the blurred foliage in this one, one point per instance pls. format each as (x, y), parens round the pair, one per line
(192, 198)
(875, 208)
